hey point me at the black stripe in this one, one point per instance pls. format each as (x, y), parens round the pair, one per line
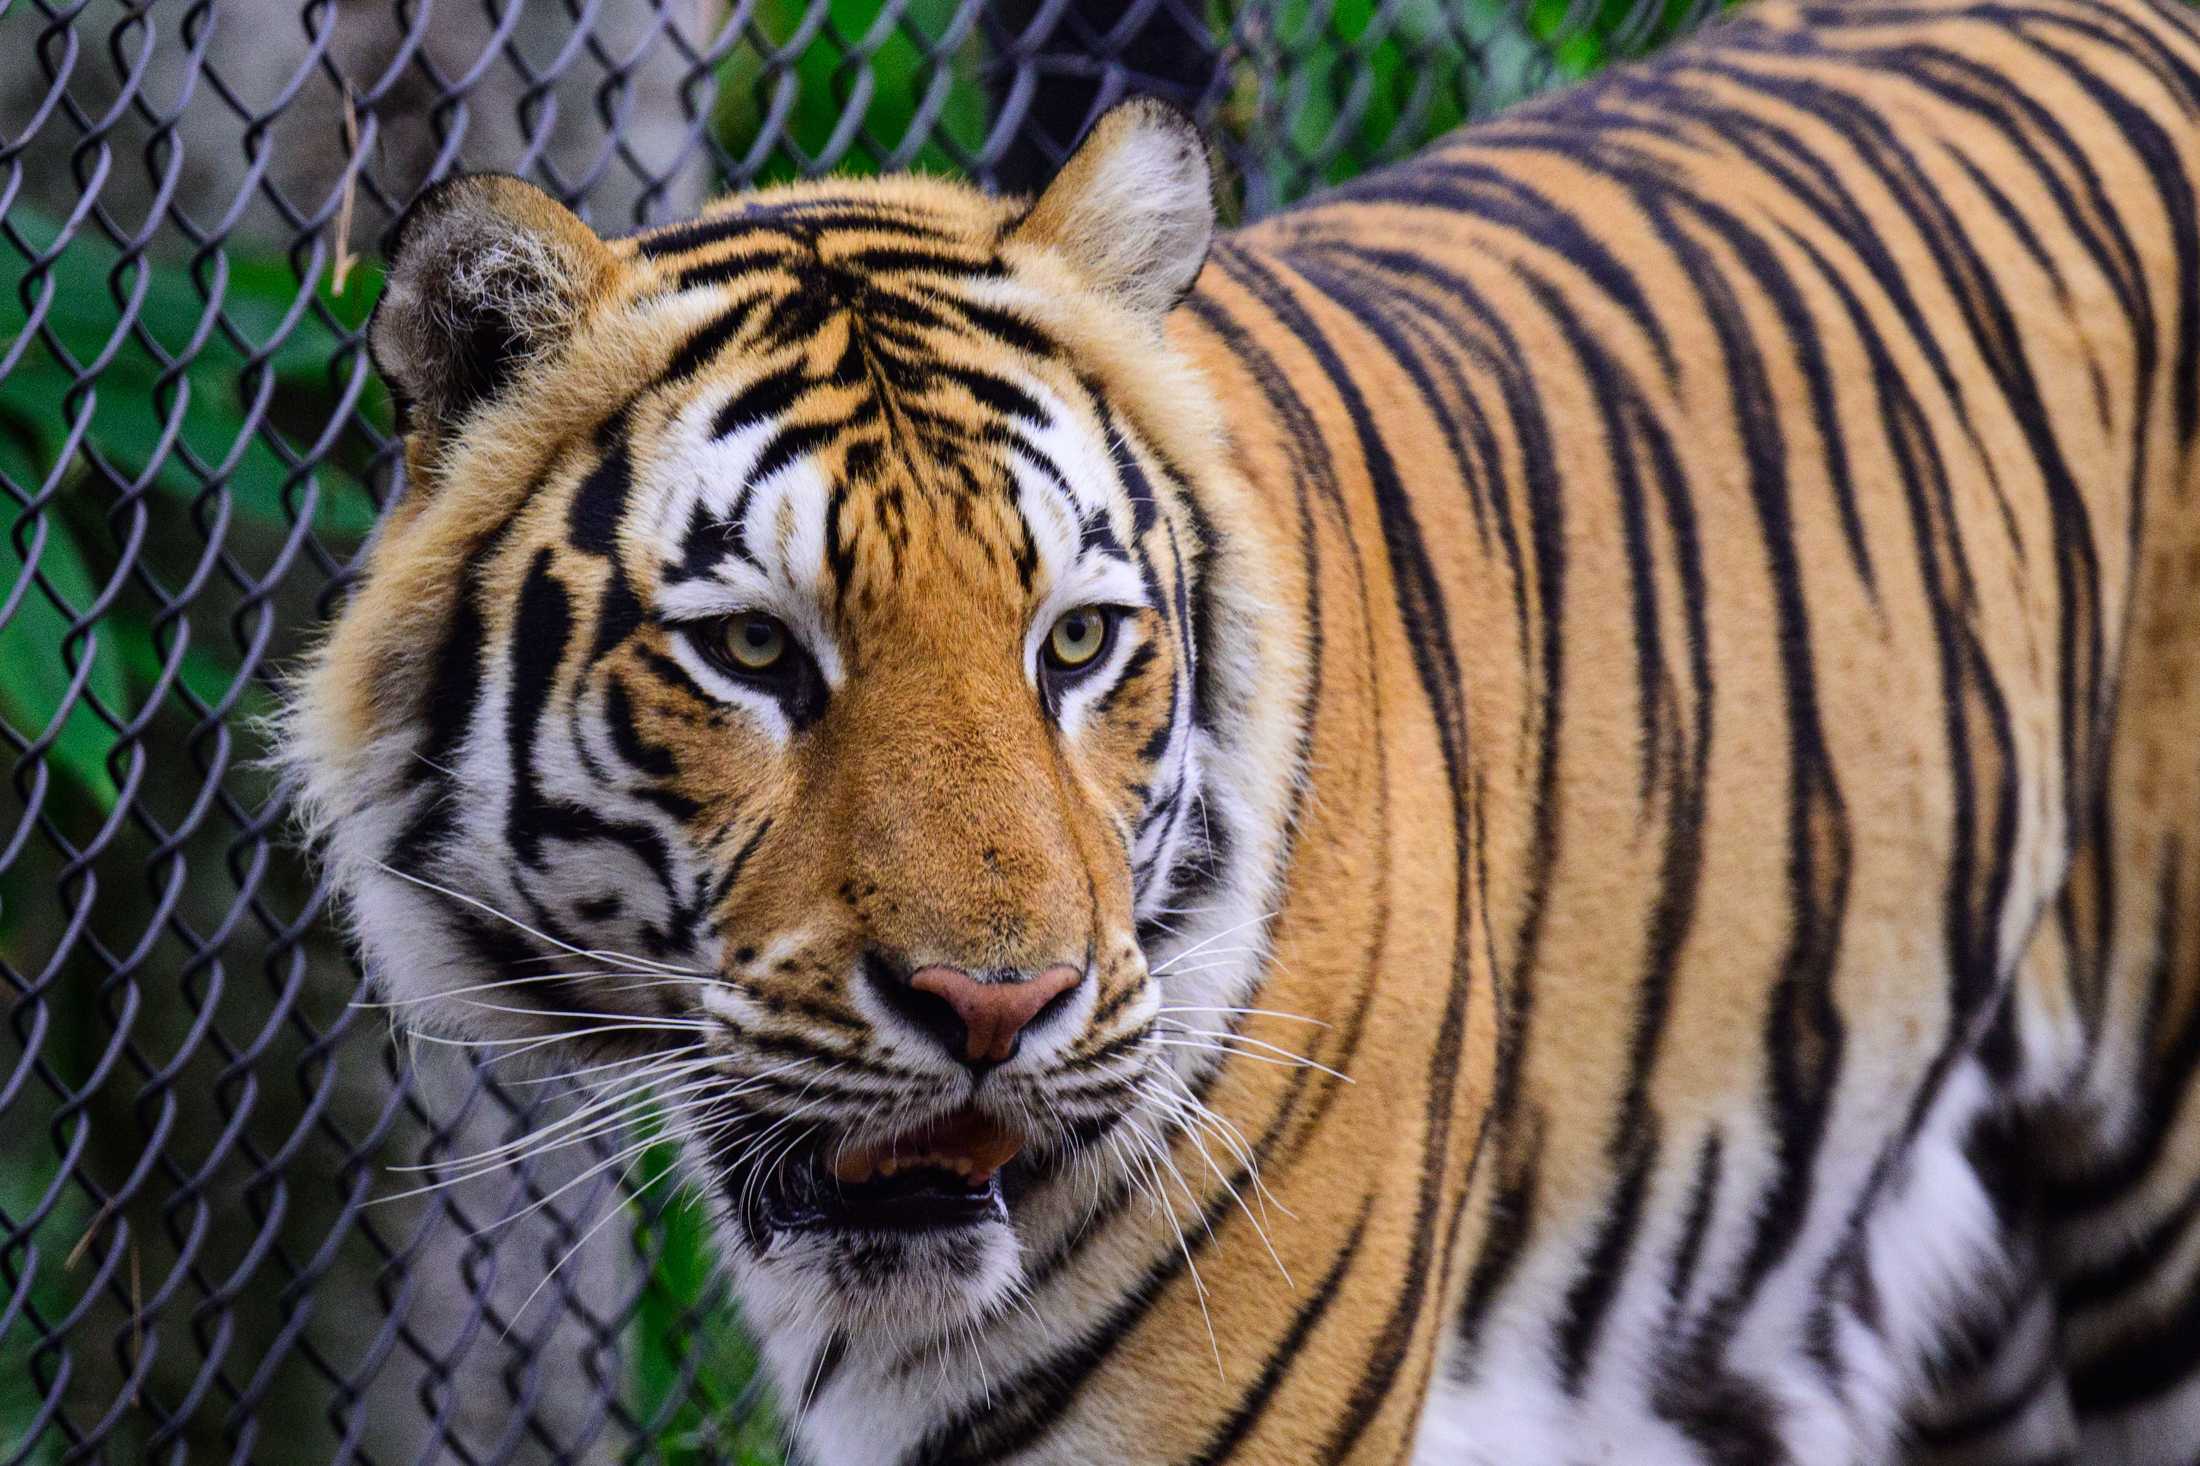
(1006, 326)
(1223, 1444)
(1313, 483)
(728, 269)
(732, 874)
(766, 399)
(1415, 588)
(542, 626)
(1631, 427)
(699, 349)
(599, 504)
(1703, 1201)
(792, 219)
(448, 707)
(899, 258)
(1137, 488)
(790, 444)
(639, 753)
(995, 392)
(1464, 185)
(1420, 604)
(709, 541)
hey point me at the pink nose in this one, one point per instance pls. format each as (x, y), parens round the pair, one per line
(993, 1013)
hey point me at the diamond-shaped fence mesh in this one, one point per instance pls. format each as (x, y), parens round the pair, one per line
(238, 1221)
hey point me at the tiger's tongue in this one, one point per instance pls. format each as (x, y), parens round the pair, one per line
(969, 1143)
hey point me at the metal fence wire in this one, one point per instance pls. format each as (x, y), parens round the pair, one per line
(237, 1221)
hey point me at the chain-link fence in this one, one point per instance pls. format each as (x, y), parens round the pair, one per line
(237, 1223)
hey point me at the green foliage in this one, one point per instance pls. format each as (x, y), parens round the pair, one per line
(177, 378)
(48, 674)
(852, 83)
(1360, 84)
(267, 352)
(1353, 89)
(691, 1362)
(19, 1393)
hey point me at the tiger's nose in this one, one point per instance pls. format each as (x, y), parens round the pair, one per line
(976, 1020)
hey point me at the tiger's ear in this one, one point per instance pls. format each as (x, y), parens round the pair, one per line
(487, 274)
(1133, 210)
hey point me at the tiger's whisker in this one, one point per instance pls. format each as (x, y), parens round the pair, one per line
(647, 1091)
(1259, 1229)
(1204, 943)
(1225, 1131)
(514, 982)
(523, 1044)
(670, 1023)
(626, 1152)
(611, 1214)
(1249, 1012)
(567, 1076)
(1199, 1285)
(1221, 1041)
(541, 936)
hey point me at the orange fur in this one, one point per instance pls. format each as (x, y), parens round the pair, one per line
(1692, 649)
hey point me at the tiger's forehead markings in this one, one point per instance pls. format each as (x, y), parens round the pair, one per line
(796, 218)
(809, 259)
(1067, 481)
(894, 406)
(733, 532)
(775, 496)
(892, 375)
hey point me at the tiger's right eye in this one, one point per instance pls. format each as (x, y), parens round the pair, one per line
(751, 644)
(1078, 638)
(757, 650)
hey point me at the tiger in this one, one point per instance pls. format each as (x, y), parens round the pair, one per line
(1535, 811)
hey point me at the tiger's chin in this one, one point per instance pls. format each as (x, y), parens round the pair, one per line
(896, 1238)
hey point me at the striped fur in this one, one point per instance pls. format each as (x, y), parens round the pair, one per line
(1665, 626)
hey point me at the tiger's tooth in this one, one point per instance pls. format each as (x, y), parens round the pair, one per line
(967, 1145)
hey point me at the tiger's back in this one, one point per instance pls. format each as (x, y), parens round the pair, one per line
(1767, 473)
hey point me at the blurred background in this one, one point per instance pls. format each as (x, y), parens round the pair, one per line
(237, 1221)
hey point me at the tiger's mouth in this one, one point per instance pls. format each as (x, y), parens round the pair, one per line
(959, 1170)
(902, 1233)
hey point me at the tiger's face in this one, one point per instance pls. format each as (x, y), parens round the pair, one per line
(780, 687)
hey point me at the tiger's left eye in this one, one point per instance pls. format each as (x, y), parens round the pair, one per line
(1078, 638)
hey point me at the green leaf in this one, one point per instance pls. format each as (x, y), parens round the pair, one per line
(230, 402)
(24, 1178)
(36, 681)
(685, 1314)
(823, 84)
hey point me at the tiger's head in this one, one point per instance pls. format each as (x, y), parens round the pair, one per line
(794, 680)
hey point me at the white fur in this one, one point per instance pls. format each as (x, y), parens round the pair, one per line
(1141, 217)
(1931, 1243)
(784, 521)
